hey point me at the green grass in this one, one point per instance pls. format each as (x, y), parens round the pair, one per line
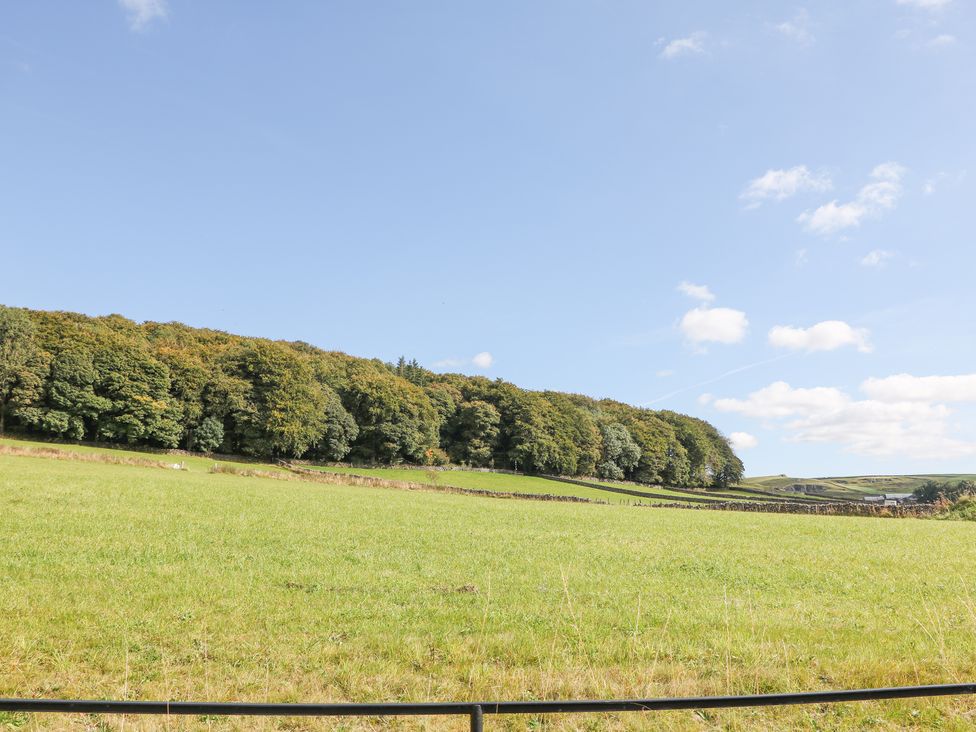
(192, 462)
(658, 490)
(145, 583)
(495, 482)
(853, 487)
(505, 483)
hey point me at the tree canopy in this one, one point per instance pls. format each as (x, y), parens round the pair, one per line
(168, 385)
(933, 490)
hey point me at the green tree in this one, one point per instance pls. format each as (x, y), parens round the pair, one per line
(397, 421)
(136, 386)
(932, 490)
(71, 408)
(283, 412)
(621, 453)
(574, 427)
(474, 433)
(209, 435)
(341, 429)
(157, 383)
(21, 363)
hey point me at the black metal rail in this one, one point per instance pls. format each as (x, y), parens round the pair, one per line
(475, 710)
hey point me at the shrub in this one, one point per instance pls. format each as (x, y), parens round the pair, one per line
(209, 435)
(962, 509)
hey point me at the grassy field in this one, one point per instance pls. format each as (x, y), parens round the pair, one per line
(121, 581)
(193, 462)
(852, 487)
(503, 482)
(495, 482)
(658, 490)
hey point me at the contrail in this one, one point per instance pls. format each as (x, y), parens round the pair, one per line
(718, 378)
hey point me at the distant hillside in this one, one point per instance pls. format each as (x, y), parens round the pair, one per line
(849, 486)
(110, 379)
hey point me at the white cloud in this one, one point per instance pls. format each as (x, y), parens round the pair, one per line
(833, 217)
(779, 399)
(872, 200)
(942, 41)
(797, 29)
(868, 427)
(719, 325)
(742, 440)
(911, 428)
(876, 258)
(705, 399)
(935, 182)
(905, 387)
(825, 336)
(926, 4)
(664, 373)
(778, 185)
(143, 12)
(888, 171)
(483, 360)
(699, 292)
(800, 257)
(690, 46)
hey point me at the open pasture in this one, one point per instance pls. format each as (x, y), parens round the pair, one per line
(487, 481)
(130, 582)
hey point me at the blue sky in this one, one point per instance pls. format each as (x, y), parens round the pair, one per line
(757, 213)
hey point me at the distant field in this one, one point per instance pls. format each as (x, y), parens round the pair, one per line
(146, 583)
(497, 482)
(852, 487)
(895, 483)
(503, 482)
(658, 490)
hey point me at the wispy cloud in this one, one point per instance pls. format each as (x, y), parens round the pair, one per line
(892, 421)
(943, 40)
(742, 441)
(778, 185)
(797, 29)
(707, 398)
(871, 201)
(691, 46)
(926, 4)
(876, 258)
(143, 12)
(906, 387)
(828, 335)
(483, 360)
(935, 182)
(699, 292)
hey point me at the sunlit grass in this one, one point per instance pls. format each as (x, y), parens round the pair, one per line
(496, 482)
(120, 581)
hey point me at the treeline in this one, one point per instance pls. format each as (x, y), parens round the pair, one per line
(932, 491)
(168, 385)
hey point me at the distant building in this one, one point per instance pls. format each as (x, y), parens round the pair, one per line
(891, 499)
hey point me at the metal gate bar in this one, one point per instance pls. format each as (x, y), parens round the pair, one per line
(475, 710)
